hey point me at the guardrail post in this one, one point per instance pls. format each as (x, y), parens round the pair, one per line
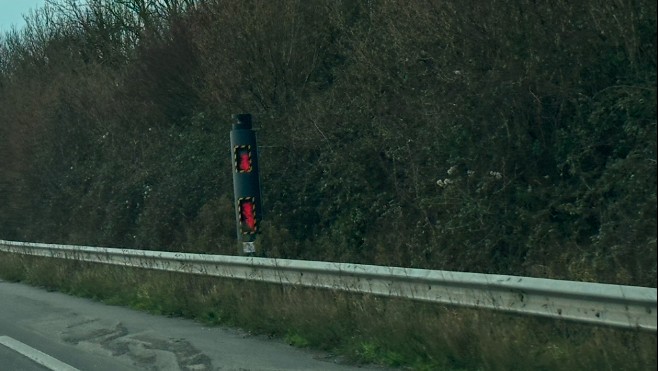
(246, 183)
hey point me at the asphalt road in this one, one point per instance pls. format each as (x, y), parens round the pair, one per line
(55, 331)
(12, 360)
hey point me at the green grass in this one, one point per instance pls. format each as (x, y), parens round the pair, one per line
(362, 328)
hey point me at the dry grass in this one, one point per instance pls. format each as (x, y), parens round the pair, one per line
(364, 328)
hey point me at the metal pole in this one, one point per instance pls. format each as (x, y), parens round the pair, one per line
(246, 182)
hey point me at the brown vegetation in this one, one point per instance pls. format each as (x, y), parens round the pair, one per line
(499, 137)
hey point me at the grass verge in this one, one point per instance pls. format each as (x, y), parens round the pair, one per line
(363, 328)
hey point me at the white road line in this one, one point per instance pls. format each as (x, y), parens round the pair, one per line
(35, 355)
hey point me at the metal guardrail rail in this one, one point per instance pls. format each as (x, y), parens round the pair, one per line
(595, 303)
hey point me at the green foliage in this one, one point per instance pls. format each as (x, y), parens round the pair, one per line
(296, 340)
(515, 138)
(12, 268)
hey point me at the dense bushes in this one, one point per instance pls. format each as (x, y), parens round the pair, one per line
(505, 137)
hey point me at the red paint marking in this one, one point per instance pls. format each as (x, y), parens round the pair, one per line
(244, 161)
(248, 215)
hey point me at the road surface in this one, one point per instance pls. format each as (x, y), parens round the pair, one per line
(42, 330)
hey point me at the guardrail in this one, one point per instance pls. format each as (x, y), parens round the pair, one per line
(595, 303)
